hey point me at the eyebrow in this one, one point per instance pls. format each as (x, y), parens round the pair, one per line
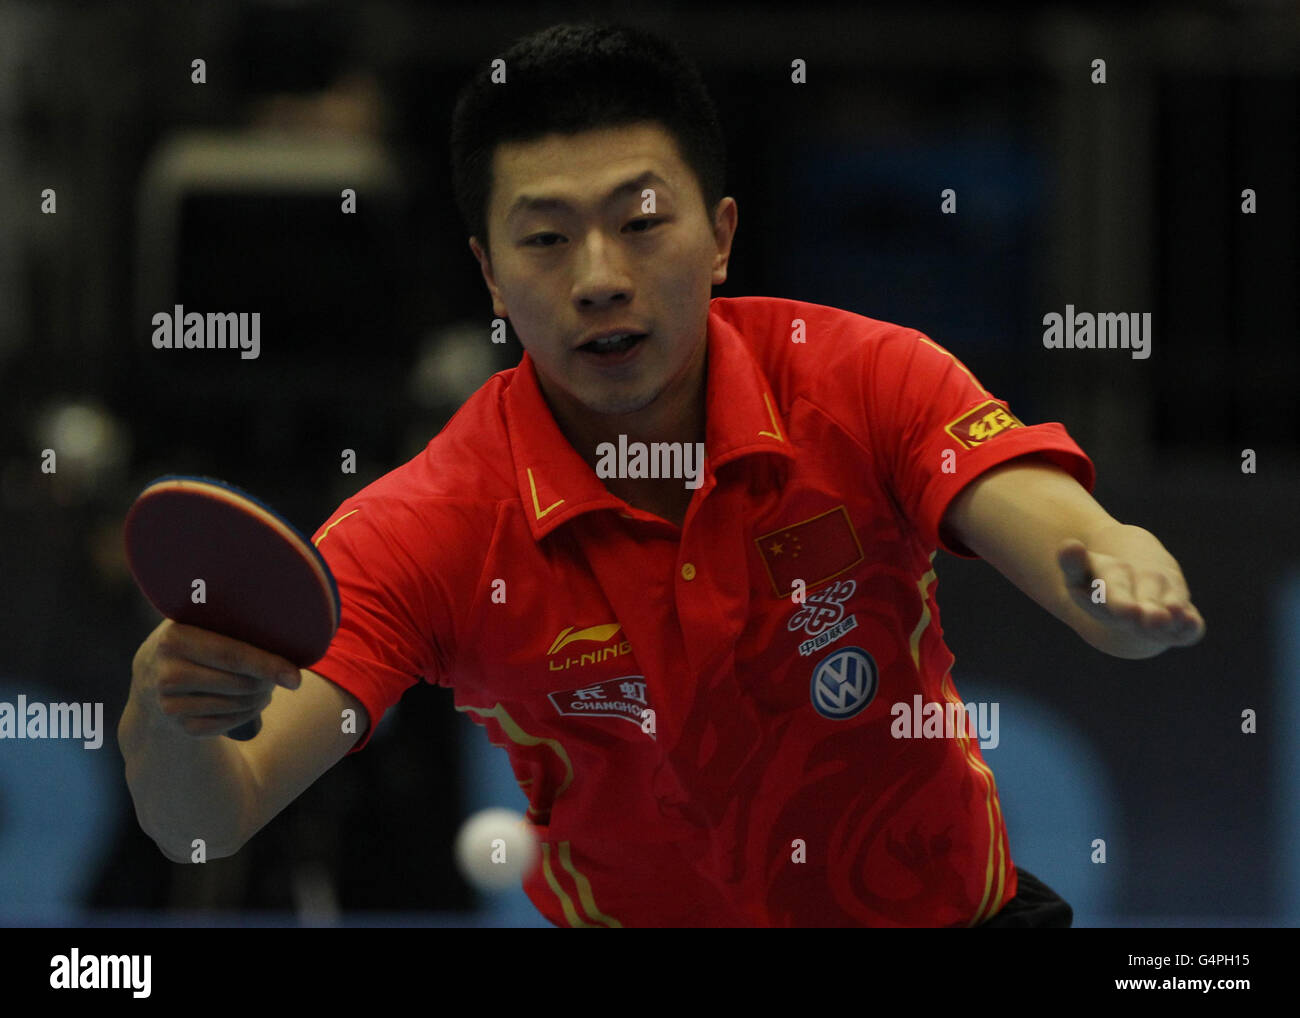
(536, 203)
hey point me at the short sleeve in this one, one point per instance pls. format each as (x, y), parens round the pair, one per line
(386, 637)
(938, 429)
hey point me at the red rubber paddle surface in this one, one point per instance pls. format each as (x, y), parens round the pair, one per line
(266, 584)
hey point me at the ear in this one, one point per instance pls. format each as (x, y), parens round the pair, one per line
(724, 231)
(485, 265)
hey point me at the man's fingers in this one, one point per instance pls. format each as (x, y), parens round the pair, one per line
(207, 727)
(182, 677)
(1151, 588)
(1189, 626)
(1151, 605)
(1149, 601)
(225, 654)
(1136, 601)
(214, 706)
(1073, 560)
(1120, 597)
(1080, 569)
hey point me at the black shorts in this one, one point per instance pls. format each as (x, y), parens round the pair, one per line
(1035, 906)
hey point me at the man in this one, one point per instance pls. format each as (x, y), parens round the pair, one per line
(693, 674)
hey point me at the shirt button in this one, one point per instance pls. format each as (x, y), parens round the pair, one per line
(688, 571)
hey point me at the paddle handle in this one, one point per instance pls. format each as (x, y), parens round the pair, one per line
(246, 731)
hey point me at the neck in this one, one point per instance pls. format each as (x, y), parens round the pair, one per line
(677, 415)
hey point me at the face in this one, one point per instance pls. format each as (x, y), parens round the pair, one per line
(579, 248)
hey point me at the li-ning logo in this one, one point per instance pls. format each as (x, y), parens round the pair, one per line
(822, 617)
(844, 683)
(592, 634)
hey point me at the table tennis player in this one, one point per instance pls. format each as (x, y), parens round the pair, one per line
(693, 671)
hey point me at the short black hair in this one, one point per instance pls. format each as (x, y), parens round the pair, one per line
(576, 77)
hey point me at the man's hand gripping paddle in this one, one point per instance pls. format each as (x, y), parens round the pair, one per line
(209, 555)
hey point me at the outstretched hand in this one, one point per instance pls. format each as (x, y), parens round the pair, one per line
(1144, 600)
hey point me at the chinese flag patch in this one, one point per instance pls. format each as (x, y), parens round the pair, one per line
(816, 550)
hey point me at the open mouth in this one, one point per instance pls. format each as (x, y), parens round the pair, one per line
(613, 344)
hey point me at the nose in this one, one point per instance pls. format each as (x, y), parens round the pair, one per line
(601, 276)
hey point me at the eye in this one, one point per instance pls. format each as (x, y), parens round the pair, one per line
(647, 222)
(533, 240)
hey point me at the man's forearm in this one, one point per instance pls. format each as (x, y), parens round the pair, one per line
(184, 787)
(1040, 529)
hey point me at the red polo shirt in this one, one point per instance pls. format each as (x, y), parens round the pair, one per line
(767, 787)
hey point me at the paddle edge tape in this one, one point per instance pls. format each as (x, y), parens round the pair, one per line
(214, 487)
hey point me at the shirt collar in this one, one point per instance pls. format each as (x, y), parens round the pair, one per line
(556, 484)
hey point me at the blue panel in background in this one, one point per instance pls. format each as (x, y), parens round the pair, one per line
(861, 228)
(1057, 797)
(59, 807)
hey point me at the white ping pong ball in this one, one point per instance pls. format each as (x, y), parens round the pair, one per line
(495, 849)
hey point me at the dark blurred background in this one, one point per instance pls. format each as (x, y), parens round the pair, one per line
(1124, 196)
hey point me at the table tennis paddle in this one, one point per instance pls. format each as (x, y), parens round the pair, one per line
(262, 581)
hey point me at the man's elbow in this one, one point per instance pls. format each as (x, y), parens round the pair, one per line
(195, 850)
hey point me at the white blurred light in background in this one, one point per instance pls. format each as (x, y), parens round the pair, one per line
(91, 446)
